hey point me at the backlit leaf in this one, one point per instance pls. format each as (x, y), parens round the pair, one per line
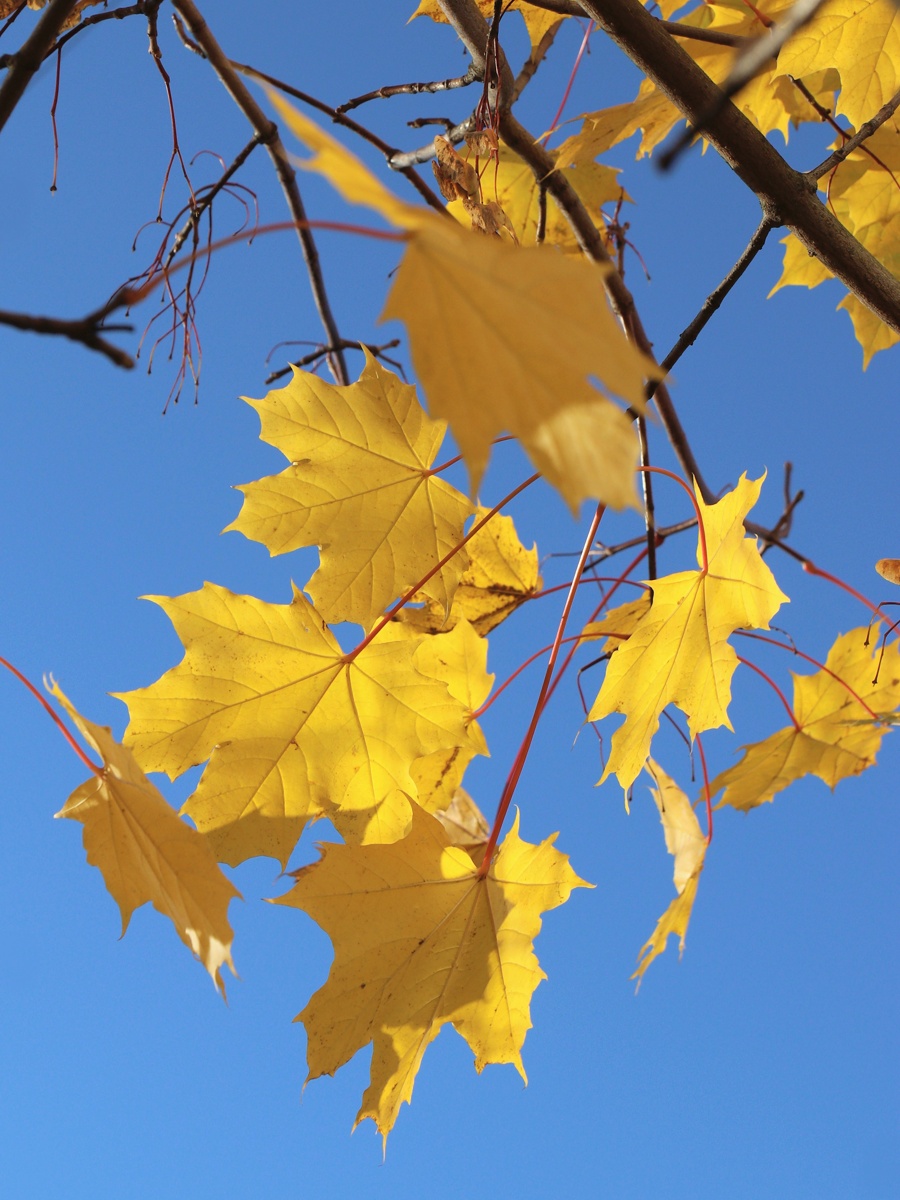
(421, 941)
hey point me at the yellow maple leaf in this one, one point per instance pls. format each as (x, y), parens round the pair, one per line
(686, 842)
(465, 825)
(295, 726)
(863, 193)
(420, 941)
(769, 100)
(679, 651)
(505, 337)
(619, 623)
(835, 739)
(501, 575)
(861, 40)
(512, 184)
(537, 20)
(145, 853)
(458, 658)
(359, 486)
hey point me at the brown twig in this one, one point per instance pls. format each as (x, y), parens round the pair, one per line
(853, 143)
(536, 56)
(269, 136)
(472, 75)
(28, 58)
(693, 33)
(430, 197)
(321, 351)
(88, 330)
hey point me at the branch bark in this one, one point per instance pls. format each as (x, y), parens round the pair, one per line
(29, 58)
(788, 197)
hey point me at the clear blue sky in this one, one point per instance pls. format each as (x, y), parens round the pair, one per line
(764, 1063)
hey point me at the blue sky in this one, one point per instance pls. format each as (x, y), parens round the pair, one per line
(765, 1062)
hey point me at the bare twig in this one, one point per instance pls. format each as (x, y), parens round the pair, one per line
(88, 330)
(27, 60)
(853, 143)
(532, 62)
(430, 197)
(402, 160)
(269, 136)
(472, 75)
(715, 298)
(321, 351)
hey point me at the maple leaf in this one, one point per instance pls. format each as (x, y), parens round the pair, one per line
(861, 40)
(465, 825)
(359, 486)
(538, 21)
(145, 853)
(864, 195)
(459, 659)
(833, 738)
(770, 100)
(501, 575)
(521, 327)
(420, 941)
(513, 186)
(686, 842)
(679, 651)
(294, 726)
(619, 623)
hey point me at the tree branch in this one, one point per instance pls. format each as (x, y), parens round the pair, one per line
(853, 143)
(472, 75)
(87, 330)
(268, 133)
(787, 196)
(29, 57)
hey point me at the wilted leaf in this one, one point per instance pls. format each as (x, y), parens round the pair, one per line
(145, 853)
(686, 843)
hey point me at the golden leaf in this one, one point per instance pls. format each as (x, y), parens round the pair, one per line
(145, 853)
(359, 486)
(422, 941)
(686, 842)
(294, 726)
(679, 652)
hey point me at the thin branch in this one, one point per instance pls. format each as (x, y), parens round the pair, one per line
(715, 298)
(853, 143)
(472, 75)
(269, 136)
(321, 351)
(87, 330)
(27, 60)
(402, 160)
(536, 56)
(430, 197)
(201, 204)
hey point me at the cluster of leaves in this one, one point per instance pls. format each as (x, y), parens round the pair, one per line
(432, 917)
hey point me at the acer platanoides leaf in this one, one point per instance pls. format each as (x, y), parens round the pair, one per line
(294, 726)
(686, 842)
(421, 941)
(837, 734)
(679, 651)
(146, 853)
(360, 487)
